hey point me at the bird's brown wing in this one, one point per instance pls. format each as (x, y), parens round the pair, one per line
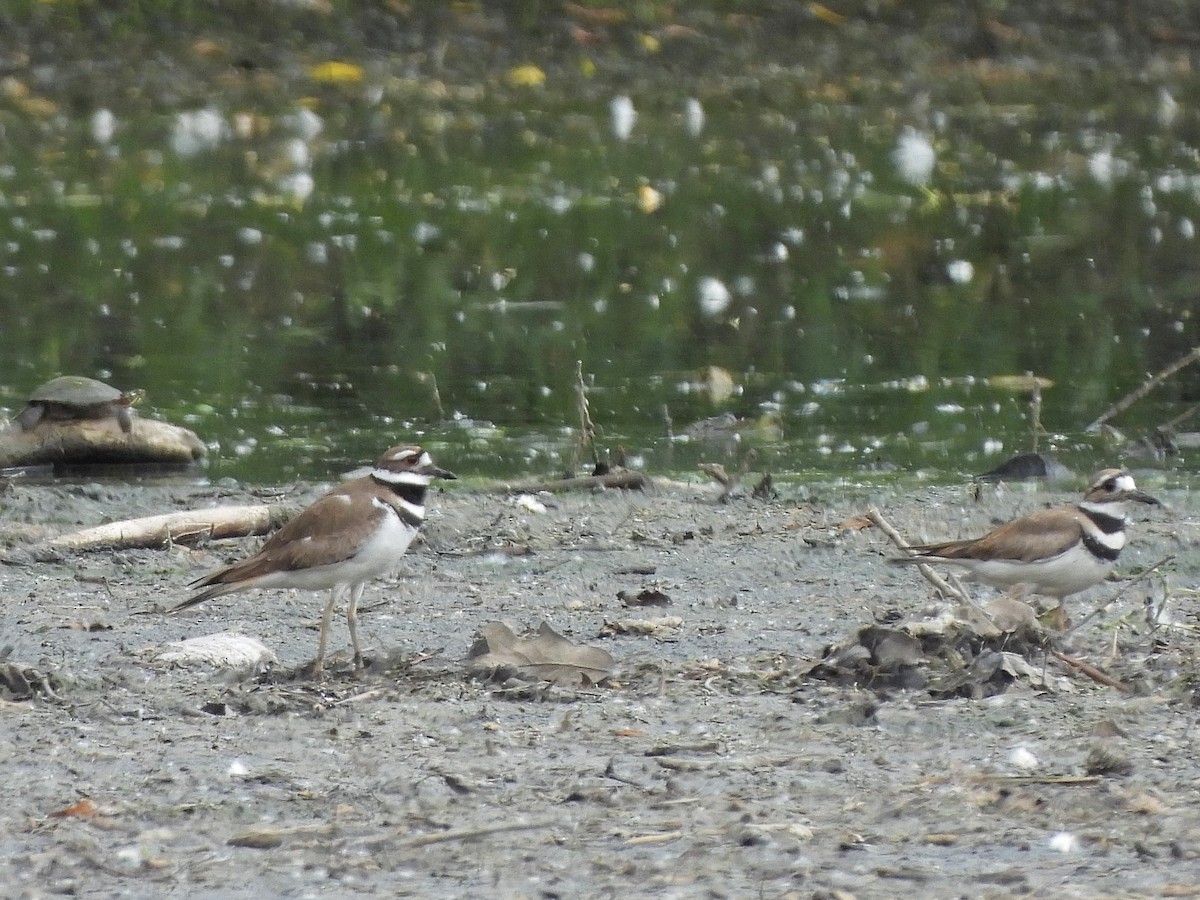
(1036, 536)
(328, 532)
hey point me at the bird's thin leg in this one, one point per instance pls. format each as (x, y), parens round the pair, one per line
(325, 618)
(352, 622)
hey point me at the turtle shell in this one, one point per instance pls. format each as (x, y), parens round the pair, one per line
(75, 390)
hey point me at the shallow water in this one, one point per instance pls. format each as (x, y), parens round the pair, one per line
(307, 264)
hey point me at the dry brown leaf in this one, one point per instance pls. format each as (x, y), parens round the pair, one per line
(645, 597)
(547, 656)
(854, 523)
(82, 809)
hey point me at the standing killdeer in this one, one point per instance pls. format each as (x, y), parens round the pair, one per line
(350, 535)
(1057, 551)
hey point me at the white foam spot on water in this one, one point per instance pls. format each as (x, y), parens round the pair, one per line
(623, 115)
(914, 157)
(198, 130)
(960, 271)
(693, 116)
(104, 126)
(712, 295)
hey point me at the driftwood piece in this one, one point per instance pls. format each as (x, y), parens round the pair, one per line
(623, 480)
(99, 441)
(187, 527)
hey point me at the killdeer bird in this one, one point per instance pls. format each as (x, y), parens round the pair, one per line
(352, 534)
(1056, 552)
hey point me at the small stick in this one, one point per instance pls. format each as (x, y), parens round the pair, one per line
(1117, 596)
(942, 586)
(625, 480)
(1035, 412)
(431, 379)
(587, 428)
(988, 778)
(1179, 419)
(1091, 671)
(467, 834)
(1146, 387)
(665, 837)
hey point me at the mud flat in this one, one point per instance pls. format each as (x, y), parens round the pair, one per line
(712, 765)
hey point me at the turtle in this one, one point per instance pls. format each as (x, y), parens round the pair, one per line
(74, 397)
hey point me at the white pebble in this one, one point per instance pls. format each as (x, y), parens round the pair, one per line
(1022, 758)
(1064, 842)
(531, 504)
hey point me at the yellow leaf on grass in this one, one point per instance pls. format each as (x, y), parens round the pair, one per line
(335, 72)
(825, 14)
(648, 199)
(526, 76)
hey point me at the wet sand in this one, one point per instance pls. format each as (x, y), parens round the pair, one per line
(713, 765)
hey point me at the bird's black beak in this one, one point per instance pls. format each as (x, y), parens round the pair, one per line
(1142, 497)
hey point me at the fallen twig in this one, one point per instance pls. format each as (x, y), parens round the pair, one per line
(1142, 576)
(1146, 387)
(467, 834)
(1041, 779)
(665, 837)
(940, 584)
(624, 480)
(1091, 671)
(1178, 420)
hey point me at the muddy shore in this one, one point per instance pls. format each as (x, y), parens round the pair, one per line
(713, 765)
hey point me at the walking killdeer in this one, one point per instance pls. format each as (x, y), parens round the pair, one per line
(1057, 551)
(350, 535)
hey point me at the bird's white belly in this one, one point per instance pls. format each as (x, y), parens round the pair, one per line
(377, 556)
(1074, 570)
